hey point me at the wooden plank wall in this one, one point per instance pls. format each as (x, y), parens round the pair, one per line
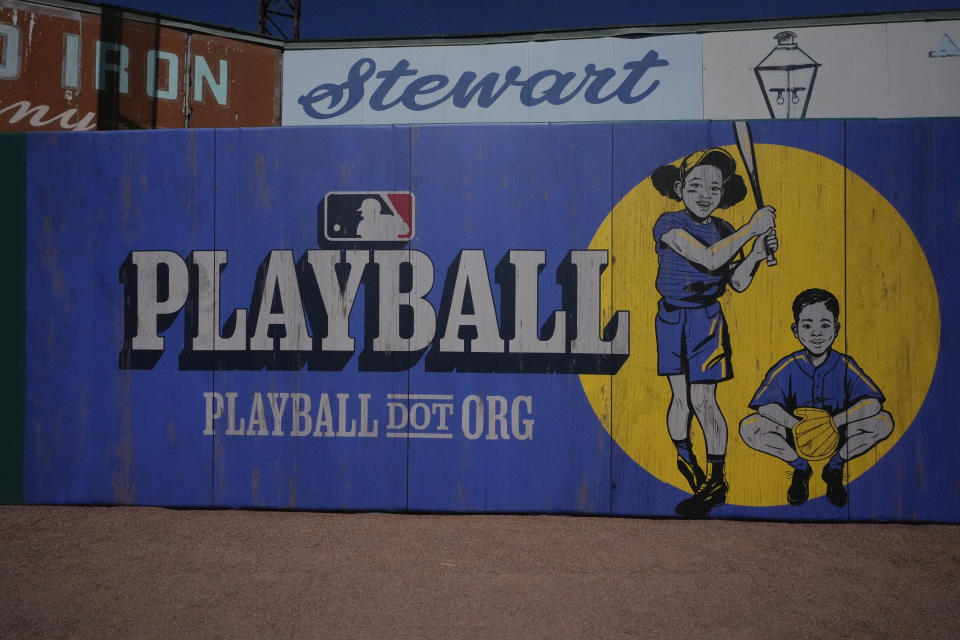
(532, 247)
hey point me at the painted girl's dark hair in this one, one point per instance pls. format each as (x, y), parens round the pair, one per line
(734, 189)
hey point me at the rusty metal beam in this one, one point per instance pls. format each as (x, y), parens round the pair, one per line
(280, 18)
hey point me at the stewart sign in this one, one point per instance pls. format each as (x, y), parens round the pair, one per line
(565, 80)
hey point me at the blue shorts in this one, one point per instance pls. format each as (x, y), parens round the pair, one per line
(693, 341)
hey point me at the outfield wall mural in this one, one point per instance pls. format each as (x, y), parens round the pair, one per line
(661, 319)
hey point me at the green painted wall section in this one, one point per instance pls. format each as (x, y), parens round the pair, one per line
(13, 206)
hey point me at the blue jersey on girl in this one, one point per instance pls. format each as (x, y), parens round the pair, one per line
(692, 336)
(681, 282)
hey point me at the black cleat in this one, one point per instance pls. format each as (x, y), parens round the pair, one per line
(692, 472)
(711, 494)
(799, 489)
(836, 492)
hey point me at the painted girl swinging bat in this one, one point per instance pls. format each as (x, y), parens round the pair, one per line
(699, 254)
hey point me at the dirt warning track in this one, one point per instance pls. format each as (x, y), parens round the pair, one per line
(100, 572)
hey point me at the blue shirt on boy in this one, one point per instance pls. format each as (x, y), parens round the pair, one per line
(835, 386)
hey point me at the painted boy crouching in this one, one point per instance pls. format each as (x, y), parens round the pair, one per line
(820, 387)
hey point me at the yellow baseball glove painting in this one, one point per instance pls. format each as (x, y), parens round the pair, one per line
(815, 437)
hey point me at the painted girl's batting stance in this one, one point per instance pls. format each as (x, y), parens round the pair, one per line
(699, 254)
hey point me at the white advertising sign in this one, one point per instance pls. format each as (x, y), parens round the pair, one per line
(892, 70)
(599, 79)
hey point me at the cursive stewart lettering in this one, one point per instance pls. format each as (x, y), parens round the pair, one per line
(359, 73)
(402, 85)
(485, 89)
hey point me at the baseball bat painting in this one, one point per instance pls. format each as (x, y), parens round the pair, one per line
(741, 131)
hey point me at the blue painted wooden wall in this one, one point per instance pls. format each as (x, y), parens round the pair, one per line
(95, 432)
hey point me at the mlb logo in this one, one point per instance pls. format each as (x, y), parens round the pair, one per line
(368, 216)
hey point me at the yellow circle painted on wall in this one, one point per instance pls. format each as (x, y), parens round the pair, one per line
(836, 233)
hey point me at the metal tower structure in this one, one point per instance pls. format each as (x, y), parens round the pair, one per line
(279, 16)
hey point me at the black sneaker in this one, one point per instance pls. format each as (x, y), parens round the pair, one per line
(836, 492)
(799, 489)
(711, 494)
(692, 472)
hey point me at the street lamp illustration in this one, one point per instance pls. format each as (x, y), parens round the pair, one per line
(786, 77)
